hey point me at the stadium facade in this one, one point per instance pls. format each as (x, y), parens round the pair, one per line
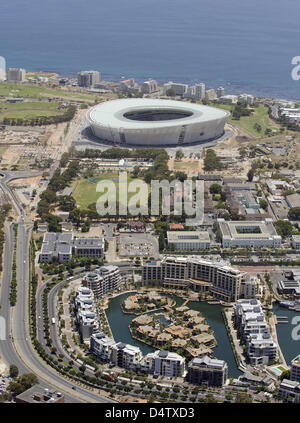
(152, 122)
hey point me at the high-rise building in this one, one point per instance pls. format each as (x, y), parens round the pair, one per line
(103, 280)
(88, 78)
(16, 75)
(222, 281)
(220, 92)
(200, 91)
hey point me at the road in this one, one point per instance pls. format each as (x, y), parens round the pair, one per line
(18, 349)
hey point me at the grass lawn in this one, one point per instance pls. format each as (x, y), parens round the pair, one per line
(186, 166)
(29, 110)
(84, 190)
(259, 116)
(36, 91)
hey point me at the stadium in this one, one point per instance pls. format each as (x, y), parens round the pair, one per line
(151, 122)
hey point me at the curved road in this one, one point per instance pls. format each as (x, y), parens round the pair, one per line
(18, 349)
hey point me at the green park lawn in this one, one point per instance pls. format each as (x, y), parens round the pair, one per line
(84, 190)
(29, 110)
(259, 116)
(38, 92)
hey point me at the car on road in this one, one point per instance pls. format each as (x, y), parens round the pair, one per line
(74, 388)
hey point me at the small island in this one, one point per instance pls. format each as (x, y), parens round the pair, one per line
(180, 329)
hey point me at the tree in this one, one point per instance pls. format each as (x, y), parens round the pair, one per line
(284, 228)
(6, 208)
(250, 175)
(263, 204)
(179, 154)
(210, 398)
(242, 397)
(215, 189)
(13, 371)
(294, 213)
(171, 92)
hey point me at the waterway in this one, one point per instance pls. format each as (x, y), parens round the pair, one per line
(290, 347)
(119, 323)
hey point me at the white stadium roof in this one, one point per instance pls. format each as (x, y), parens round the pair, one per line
(112, 113)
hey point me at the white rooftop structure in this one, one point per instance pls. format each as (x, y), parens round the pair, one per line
(156, 122)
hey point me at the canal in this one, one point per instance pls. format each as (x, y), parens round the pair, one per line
(289, 346)
(119, 324)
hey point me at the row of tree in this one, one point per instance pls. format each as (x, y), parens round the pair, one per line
(42, 120)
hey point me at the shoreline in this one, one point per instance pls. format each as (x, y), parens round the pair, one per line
(233, 88)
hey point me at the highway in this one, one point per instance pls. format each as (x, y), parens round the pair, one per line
(18, 349)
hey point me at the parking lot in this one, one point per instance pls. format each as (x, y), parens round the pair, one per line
(138, 245)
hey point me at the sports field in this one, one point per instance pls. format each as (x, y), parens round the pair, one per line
(84, 190)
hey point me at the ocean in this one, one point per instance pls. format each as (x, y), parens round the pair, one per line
(245, 46)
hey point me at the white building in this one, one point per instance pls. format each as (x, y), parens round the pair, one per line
(228, 99)
(295, 369)
(16, 75)
(200, 91)
(289, 390)
(239, 234)
(125, 355)
(180, 89)
(188, 240)
(296, 242)
(149, 87)
(220, 92)
(222, 281)
(276, 187)
(246, 99)
(210, 95)
(103, 280)
(101, 346)
(59, 247)
(88, 78)
(164, 363)
(254, 330)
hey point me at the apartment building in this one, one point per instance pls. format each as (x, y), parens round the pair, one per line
(86, 312)
(164, 363)
(295, 369)
(149, 87)
(103, 280)
(125, 355)
(180, 89)
(88, 78)
(222, 281)
(207, 371)
(220, 92)
(254, 331)
(210, 95)
(289, 390)
(15, 75)
(101, 346)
